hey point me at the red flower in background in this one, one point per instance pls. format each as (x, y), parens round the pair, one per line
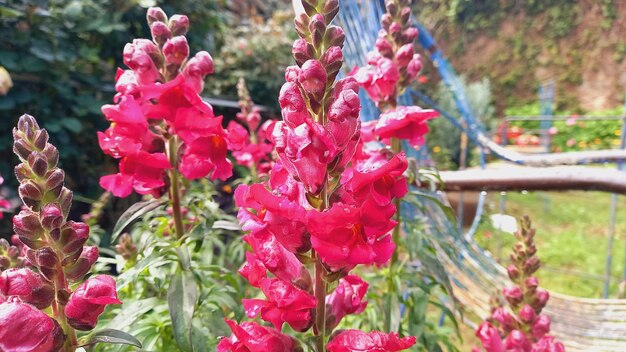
(406, 123)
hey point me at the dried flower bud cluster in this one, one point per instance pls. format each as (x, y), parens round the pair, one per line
(159, 122)
(250, 147)
(521, 327)
(55, 251)
(316, 209)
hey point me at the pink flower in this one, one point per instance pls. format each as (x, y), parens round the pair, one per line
(285, 304)
(340, 239)
(253, 270)
(506, 320)
(541, 326)
(359, 341)
(548, 344)
(176, 50)
(143, 172)
(346, 299)
(25, 328)
(138, 57)
(512, 294)
(379, 79)
(405, 122)
(206, 156)
(197, 68)
(252, 337)
(238, 136)
(490, 338)
(28, 286)
(88, 301)
(517, 342)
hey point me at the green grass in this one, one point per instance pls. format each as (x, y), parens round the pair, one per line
(572, 232)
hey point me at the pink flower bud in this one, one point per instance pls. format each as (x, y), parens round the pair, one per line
(506, 320)
(155, 14)
(512, 294)
(77, 270)
(88, 301)
(405, 54)
(138, 57)
(415, 66)
(25, 328)
(51, 216)
(531, 283)
(384, 47)
(541, 298)
(253, 270)
(517, 340)
(541, 326)
(28, 286)
(160, 33)
(410, 34)
(179, 24)
(335, 36)
(302, 51)
(348, 298)
(197, 68)
(176, 50)
(548, 344)
(26, 225)
(38, 163)
(313, 77)
(395, 28)
(527, 313)
(513, 272)
(73, 236)
(489, 337)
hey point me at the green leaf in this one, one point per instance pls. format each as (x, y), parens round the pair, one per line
(132, 311)
(72, 124)
(112, 336)
(226, 225)
(133, 213)
(181, 298)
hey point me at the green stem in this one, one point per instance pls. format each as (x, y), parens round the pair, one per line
(174, 191)
(395, 236)
(320, 309)
(58, 310)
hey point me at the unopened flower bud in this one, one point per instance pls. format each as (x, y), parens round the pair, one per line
(395, 28)
(517, 341)
(77, 270)
(30, 193)
(541, 298)
(391, 7)
(541, 326)
(155, 14)
(302, 25)
(317, 27)
(179, 25)
(384, 47)
(527, 313)
(21, 148)
(415, 66)
(405, 14)
(330, 10)
(55, 179)
(73, 236)
(292, 73)
(531, 283)
(513, 272)
(65, 200)
(26, 224)
(512, 294)
(506, 320)
(176, 50)
(41, 139)
(332, 60)
(313, 77)
(160, 33)
(197, 68)
(52, 155)
(335, 36)
(410, 34)
(51, 216)
(302, 51)
(405, 54)
(46, 257)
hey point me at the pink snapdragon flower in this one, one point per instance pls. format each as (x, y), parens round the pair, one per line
(251, 337)
(406, 123)
(25, 328)
(357, 341)
(28, 286)
(88, 301)
(348, 298)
